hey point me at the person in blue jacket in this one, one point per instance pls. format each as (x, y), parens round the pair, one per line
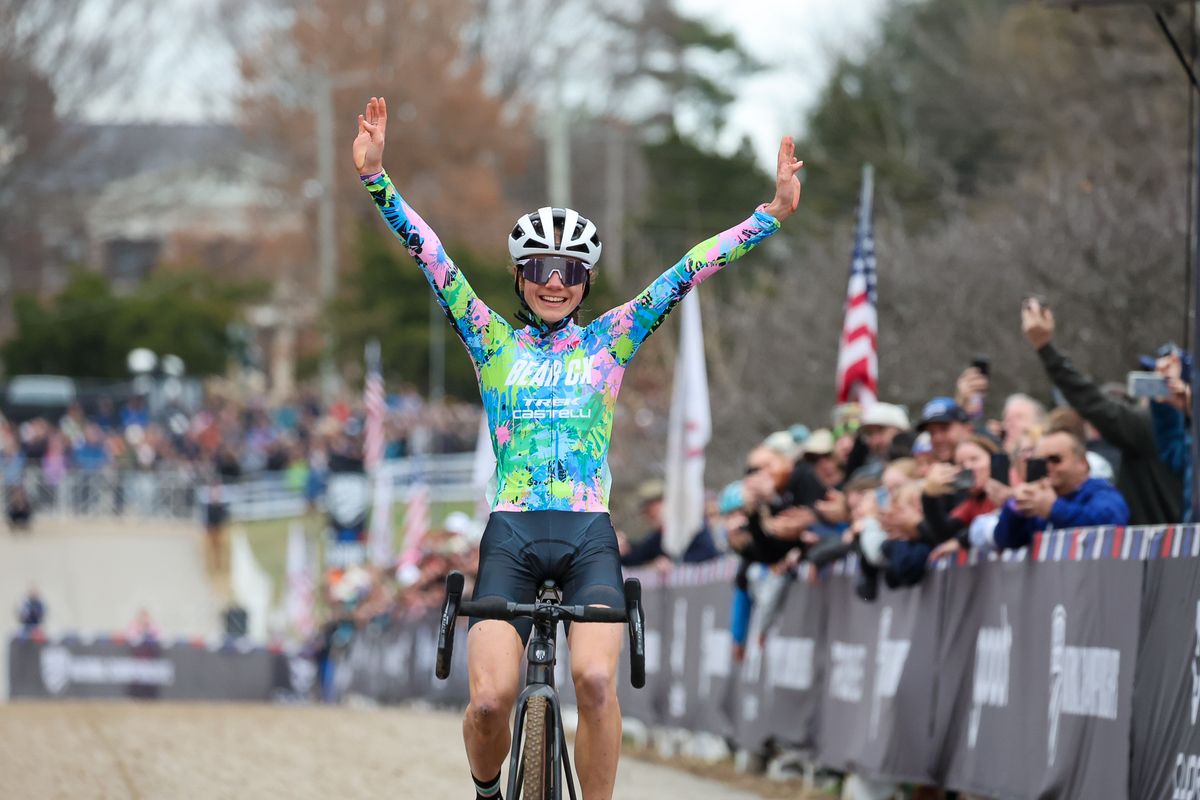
(1170, 418)
(1068, 497)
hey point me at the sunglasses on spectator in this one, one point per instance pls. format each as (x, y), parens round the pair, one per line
(571, 271)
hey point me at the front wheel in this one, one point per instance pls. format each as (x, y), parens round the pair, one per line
(537, 765)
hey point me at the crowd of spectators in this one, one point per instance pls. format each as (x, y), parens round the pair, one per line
(223, 438)
(901, 493)
(237, 437)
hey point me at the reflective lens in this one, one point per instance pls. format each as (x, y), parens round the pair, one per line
(571, 271)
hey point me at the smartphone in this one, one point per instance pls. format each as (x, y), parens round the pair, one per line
(982, 363)
(1000, 467)
(1035, 469)
(1146, 384)
(964, 480)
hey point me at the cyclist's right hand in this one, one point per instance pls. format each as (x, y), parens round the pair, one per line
(368, 145)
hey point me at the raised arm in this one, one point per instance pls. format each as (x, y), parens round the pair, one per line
(632, 323)
(477, 325)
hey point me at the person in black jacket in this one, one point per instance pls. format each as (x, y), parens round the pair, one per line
(1153, 493)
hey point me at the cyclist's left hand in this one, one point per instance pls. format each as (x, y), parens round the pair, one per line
(787, 181)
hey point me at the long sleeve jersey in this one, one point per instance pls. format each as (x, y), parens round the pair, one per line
(550, 396)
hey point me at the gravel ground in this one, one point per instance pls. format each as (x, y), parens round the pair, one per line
(195, 751)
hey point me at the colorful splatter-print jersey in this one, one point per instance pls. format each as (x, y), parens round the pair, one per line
(549, 397)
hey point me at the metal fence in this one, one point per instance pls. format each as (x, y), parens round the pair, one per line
(179, 493)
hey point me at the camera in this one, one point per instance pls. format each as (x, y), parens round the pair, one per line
(1146, 384)
(963, 481)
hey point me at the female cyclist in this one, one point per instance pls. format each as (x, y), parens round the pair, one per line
(549, 390)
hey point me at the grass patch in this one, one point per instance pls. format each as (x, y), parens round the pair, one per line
(268, 538)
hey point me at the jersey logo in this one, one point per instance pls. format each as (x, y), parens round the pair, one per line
(527, 372)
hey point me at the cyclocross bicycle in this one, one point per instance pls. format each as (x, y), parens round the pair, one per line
(535, 767)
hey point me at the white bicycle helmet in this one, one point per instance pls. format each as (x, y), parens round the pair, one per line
(533, 235)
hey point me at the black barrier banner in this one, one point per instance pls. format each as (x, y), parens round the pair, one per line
(880, 669)
(779, 685)
(394, 663)
(699, 656)
(149, 670)
(648, 705)
(1036, 679)
(1166, 692)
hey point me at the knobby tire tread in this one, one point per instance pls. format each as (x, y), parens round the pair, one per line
(536, 754)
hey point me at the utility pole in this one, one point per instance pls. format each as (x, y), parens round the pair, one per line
(558, 149)
(614, 202)
(437, 353)
(327, 254)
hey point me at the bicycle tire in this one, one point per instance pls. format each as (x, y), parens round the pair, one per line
(536, 754)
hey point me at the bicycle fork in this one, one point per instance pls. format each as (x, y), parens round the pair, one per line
(539, 682)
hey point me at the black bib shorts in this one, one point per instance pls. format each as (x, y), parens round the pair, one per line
(577, 549)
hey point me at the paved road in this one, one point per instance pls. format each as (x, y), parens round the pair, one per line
(94, 575)
(169, 751)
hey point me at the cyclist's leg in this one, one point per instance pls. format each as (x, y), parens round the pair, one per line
(594, 578)
(494, 648)
(494, 651)
(595, 650)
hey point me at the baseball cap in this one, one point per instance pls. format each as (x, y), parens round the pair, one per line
(941, 409)
(922, 444)
(886, 415)
(730, 499)
(820, 443)
(783, 443)
(1148, 363)
(651, 490)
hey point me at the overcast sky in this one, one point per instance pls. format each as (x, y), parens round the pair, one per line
(801, 39)
(798, 39)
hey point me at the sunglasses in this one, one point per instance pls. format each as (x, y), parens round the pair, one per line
(571, 271)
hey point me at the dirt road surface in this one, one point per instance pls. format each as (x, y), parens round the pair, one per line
(171, 751)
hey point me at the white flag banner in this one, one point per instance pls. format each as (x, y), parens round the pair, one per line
(252, 589)
(688, 432)
(300, 583)
(379, 538)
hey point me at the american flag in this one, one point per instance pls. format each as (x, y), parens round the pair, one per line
(858, 359)
(301, 587)
(375, 403)
(416, 525)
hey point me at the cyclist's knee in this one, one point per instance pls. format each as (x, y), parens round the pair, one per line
(595, 687)
(489, 705)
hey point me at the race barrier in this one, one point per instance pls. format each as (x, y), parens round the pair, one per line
(1070, 669)
(110, 668)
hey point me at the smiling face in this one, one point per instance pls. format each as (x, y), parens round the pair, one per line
(552, 300)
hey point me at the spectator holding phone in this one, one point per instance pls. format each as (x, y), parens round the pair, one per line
(1154, 493)
(979, 468)
(1067, 497)
(1170, 416)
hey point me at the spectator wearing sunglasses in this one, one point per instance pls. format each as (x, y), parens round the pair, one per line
(1154, 493)
(1068, 497)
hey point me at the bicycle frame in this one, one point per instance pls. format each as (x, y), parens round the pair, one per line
(539, 682)
(541, 657)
